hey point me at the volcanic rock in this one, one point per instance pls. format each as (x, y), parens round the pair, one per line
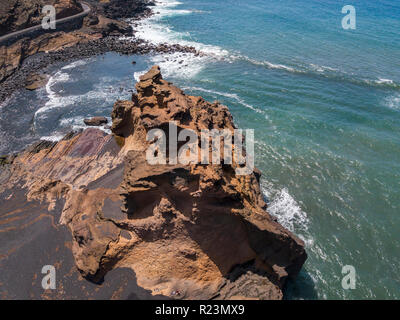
(35, 81)
(95, 121)
(197, 229)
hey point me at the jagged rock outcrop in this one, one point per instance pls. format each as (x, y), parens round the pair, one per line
(188, 231)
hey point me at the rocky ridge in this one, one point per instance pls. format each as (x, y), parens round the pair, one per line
(186, 231)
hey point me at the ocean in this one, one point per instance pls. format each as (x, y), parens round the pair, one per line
(324, 103)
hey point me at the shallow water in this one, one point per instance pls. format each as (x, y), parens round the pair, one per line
(324, 103)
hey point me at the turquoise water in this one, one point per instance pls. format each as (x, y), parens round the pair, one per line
(325, 106)
(324, 103)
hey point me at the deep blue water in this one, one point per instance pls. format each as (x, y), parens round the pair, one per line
(324, 103)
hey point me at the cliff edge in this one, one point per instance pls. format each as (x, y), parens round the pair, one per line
(194, 231)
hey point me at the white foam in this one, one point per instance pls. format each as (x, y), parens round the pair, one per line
(73, 123)
(384, 81)
(55, 100)
(286, 209)
(393, 102)
(322, 69)
(138, 74)
(76, 123)
(75, 64)
(182, 65)
(103, 92)
(155, 30)
(53, 138)
(271, 65)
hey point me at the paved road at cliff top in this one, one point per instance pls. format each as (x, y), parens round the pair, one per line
(85, 12)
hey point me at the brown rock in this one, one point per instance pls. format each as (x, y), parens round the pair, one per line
(35, 81)
(95, 121)
(121, 114)
(200, 230)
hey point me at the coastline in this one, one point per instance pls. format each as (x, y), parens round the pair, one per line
(118, 211)
(35, 63)
(326, 126)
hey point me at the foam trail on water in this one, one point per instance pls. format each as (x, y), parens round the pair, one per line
(270, 65)
(156, 30)
(76, 123)
(75, 64)
(53, 138)
(182, 65)
(233, 96)
(283, 206)
(138, 74)
(102, 93)
(55, 100)
(393, 102)
(322, 71)
(383, 80)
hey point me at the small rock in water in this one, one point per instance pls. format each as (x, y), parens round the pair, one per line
(35, 81)
(95, 121)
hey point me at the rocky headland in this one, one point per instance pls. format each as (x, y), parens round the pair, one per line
(115, 226)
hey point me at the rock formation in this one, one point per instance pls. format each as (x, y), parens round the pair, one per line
(187, 231)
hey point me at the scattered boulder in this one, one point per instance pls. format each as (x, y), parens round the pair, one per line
(35, 81)
(187, 231)
(96, 121)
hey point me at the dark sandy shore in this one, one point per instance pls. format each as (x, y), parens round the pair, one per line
(31, 238)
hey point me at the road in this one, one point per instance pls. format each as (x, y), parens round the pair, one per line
(85, 12)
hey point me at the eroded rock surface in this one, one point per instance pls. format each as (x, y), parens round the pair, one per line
(199, 230)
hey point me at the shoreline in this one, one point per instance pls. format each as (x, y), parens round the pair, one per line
(92, 183)
(33, 65)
